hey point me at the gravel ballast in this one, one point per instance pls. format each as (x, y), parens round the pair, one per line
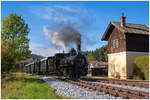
(76, 92)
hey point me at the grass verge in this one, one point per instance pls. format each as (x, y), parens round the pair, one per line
(24, 86)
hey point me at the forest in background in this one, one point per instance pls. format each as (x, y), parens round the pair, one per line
(100, 54)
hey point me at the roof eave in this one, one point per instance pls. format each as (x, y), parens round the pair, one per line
(105, 33)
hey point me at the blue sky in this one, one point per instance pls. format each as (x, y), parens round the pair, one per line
(89, 18)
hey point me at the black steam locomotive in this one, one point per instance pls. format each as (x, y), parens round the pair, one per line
(72, 64)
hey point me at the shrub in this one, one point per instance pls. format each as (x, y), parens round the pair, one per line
(141, 68)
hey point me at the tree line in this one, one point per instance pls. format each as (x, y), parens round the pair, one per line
(100, 54)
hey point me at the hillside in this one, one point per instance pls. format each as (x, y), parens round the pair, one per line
(36, 57)
(33, 57)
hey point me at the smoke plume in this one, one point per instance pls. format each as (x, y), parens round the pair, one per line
(64, 36)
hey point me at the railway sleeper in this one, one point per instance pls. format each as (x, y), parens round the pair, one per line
(105, 90)
(139, 93)
(131, 96)
(121, 93)
(136, 92)
(113, 92)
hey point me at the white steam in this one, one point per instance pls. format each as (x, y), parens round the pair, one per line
(63, 37)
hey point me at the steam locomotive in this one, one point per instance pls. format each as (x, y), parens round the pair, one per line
(72, 64)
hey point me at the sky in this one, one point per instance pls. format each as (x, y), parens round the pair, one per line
(89, 18)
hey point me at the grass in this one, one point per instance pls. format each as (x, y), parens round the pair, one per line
(24, 86)
(97, 77)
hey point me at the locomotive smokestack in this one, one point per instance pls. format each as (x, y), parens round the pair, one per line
(79, 48)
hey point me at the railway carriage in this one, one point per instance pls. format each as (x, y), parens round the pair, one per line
(43, 66)
(50, 63)
(27, 68)
(36, 67)
(32, 67)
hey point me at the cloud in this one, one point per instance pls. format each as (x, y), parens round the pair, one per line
(69, 9)
(43, 50)
(62, 16)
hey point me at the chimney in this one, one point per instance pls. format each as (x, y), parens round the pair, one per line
(123, 20)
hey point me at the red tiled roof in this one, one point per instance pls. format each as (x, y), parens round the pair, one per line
(103, 63)
(93, 62)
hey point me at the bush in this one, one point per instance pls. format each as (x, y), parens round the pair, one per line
(141, 68)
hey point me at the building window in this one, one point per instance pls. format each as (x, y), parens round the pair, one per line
(116, 43)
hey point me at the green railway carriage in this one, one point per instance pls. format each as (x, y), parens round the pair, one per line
(32, 67)
(43, 65)
(36, 67)
(27, 68)
(50, 63)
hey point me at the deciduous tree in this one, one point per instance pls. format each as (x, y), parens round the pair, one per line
(14, 40)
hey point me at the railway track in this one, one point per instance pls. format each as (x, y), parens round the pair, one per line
(108, 89)
(120, 82)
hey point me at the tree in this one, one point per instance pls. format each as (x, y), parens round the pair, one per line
(103, 53)
(90, 56)
(15, 43)
(99, 54)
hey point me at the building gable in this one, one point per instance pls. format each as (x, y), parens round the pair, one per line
(116, 41)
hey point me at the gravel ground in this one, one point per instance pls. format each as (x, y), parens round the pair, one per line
(125, 86)
(74, 91)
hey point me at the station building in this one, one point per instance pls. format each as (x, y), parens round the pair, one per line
(126, 41)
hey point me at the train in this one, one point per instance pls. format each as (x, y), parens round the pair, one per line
(72, 64)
